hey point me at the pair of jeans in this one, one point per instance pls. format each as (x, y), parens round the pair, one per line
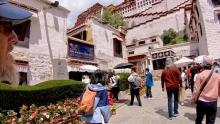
(148, 92)
(206, 108)
(135, 92)
(170, 95)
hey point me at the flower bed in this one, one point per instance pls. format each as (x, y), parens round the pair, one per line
(62, 112)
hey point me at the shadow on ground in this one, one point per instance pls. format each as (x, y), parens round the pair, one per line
(187, 103)
(162, 113)
(190, 116)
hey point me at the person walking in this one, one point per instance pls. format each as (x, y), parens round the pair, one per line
(149, 83)
(171, 77)
(183, 88)
(135, 84)
(115, 86)
(10, 16)
(99, 80)
(206, 92)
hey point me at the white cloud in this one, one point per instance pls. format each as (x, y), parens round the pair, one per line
(78, 6)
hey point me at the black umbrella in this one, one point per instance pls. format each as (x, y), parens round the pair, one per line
(123, 65)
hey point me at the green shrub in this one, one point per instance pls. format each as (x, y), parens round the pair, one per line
(123, 81)
(41, 94)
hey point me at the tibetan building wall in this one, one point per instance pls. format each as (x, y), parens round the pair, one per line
(47, 42)
(103, 36)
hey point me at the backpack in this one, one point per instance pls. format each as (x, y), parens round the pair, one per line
(135, 81)
(87, 102)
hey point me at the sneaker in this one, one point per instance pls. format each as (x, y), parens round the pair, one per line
(176, 115)
(170, 118)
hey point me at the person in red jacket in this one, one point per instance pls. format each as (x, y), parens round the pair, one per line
(171, 77)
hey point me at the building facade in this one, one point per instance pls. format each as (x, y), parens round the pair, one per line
(41, 50)
(101, 45)
(204, 27)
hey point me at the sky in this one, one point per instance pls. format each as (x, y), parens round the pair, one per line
(78, 6)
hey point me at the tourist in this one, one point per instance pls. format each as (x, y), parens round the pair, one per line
(149, 83)
(171, 77)
(115, 86)
(10, 15)
(135, 84)
(183, 88)
(99, 80)
(206, 92)
(187, 72)
(193, 71)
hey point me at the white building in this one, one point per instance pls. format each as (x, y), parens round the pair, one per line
(103, 46)
(204, 27)
(43, 44)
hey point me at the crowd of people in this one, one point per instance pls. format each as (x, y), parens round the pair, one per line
(204, 81)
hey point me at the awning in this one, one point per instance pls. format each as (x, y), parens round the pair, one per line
(21, 68)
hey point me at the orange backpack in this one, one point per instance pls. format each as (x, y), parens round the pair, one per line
(87, 101)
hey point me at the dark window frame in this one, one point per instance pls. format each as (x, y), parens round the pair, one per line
(117, 47)
(23, 33)
(216, 2)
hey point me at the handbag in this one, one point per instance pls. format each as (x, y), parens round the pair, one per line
(203, 86)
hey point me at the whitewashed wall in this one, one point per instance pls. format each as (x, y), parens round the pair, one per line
(44, 48)
(156, 27)
(209, 41)
(103, 40)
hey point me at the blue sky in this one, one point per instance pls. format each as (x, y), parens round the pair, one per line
(78, 6)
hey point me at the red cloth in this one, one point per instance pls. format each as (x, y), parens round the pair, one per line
(188, 72)
(171, 77)
(110, 98)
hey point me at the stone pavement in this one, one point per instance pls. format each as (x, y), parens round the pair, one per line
(154, 111)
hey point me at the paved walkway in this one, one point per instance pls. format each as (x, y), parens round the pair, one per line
(154, 111)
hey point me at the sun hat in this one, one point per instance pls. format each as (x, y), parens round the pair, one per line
(12, 13)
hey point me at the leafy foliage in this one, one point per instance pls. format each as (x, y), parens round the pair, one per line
(114, 20)
(12, 98)
(171, 37)
(124, 81)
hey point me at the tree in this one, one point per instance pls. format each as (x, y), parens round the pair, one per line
(172, 37)
(168, 36)
(114, 20)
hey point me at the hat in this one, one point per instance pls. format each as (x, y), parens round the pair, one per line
(13, 13)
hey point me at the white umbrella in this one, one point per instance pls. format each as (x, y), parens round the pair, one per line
(183, 61)
(89, 68)
(199, 59)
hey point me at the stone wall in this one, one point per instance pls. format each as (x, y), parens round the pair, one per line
(103, 40)
(47, 41)
(156, 27)
(210, 27)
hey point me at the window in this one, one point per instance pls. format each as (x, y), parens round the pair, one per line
(216, 2)
(200, 27)
(218, 17)
(117, 45)
(154, 40)
(141, 42)
(131, 52)
(23, 32)
(197, 11)
(81, 35)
